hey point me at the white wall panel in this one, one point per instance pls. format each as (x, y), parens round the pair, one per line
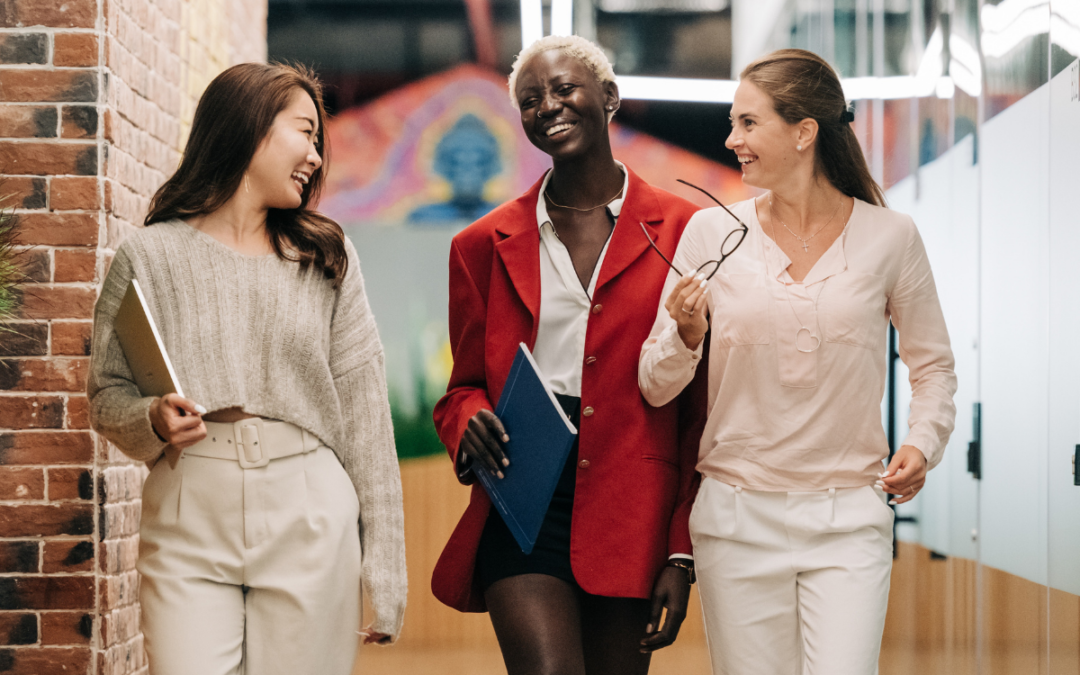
(1064, 385)
(1014, 337)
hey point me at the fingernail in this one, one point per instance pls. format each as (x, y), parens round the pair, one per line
(506, 462)
(199, 409)
(500, 475)
(700, 277)
(886, 474)
(648, 629)
(506, 439)
(703, 283)
(893, 502)
(880, 485)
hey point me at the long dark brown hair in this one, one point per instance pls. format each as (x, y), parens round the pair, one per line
(803, 86)
(233, 117)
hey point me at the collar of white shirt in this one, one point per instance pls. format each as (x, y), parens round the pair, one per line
(614, 207)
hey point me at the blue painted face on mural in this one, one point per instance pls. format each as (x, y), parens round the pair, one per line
(467, 156)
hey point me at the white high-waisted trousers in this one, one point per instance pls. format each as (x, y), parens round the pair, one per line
(792, 583)
(251, 571)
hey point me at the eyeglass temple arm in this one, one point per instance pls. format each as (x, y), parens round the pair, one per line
(719, 203)
(657, 249)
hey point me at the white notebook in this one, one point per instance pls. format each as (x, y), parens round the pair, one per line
(142, 345)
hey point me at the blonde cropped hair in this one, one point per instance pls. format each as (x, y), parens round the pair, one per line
(572, 45)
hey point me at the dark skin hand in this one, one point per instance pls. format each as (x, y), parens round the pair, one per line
(671, 592)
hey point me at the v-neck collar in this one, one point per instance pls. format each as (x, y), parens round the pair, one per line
(831, 263)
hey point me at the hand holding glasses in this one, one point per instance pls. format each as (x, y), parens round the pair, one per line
(688, 302)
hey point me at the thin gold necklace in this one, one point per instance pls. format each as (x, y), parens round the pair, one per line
(805, 242)
(574, 208)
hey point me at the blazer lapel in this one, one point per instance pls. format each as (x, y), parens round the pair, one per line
(520, 249)
(628, 242)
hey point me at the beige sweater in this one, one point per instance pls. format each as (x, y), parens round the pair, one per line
(257, 332)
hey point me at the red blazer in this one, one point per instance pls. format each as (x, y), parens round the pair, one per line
(636, 478)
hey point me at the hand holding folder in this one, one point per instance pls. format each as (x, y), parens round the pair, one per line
(541, 436)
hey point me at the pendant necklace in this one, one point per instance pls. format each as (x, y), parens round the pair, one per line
(805, 242)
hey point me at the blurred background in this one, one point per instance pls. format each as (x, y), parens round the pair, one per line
(969, 116)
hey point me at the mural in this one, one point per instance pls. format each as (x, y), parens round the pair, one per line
(410, 170)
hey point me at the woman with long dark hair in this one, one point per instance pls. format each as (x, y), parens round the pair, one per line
(567, 269)
(792, 528)
(278, 467)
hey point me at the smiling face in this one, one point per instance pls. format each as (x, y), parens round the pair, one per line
(764, 143)
(288, 157)
(563, 106)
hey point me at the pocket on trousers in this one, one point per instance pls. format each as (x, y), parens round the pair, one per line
(714, 511)
(161, 493)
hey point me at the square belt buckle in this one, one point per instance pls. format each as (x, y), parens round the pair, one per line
(251, 450)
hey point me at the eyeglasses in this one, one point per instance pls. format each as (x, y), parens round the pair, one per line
(727, 247)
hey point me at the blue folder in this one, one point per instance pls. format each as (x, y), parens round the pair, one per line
(541, 436)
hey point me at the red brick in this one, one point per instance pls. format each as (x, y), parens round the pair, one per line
(70, 483)
(75, 50)
(48, 159)
(48, 86)
(32, 412)
(79, 121)
(18, 628)
(44, 374)
(75, 265)
(57, 302)
(19, 557)
(24, 339)
(72, 338)
(24, 48)
(46, 447)
(46, 520)
(50, 660)
(21, 484)
(28, 121)
(78, 412)
(118, 555)
(69, 193)
(58, 229)
(67, 14)
(28, 193)
(66, 628)
(67, 557)
(35, 264)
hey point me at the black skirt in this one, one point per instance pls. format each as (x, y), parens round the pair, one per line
(499, 555)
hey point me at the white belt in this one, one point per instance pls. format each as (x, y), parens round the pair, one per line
(253, 442)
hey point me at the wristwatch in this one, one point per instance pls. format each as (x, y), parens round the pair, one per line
(688, 565)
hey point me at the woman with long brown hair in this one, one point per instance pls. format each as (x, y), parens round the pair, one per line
(278, 468)
(791, 527)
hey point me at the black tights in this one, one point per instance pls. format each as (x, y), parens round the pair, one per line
(547, 626)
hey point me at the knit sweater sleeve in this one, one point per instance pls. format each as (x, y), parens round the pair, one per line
(117, 410)
(369, 455)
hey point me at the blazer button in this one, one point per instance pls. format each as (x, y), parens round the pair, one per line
(587, 412)
(584, 464)
(597, 309)
(591, 360)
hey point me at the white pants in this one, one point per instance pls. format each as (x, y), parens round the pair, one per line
(250, 570)
(792, 583)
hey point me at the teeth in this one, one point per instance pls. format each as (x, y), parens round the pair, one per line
(557, 128)
(301, 177)
(743, 159)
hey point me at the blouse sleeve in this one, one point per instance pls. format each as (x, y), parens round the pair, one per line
(117, 410)
(666, 365)
(924, 348)
(369, 455)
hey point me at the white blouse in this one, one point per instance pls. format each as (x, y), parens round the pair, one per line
(564, 304)
(797, 370)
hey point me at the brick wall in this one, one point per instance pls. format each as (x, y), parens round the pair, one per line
(96, 97)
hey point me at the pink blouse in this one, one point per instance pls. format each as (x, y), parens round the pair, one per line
(781, 419)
